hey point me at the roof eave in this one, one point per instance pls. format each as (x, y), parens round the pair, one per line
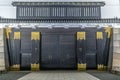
(58, 3)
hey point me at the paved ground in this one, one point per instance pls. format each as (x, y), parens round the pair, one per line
(59, 75)
(104, 75)
(12, 75)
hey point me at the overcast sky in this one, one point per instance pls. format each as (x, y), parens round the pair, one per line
(110, 10)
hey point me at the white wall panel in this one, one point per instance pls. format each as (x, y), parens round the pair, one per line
(2, 56)
(116, 50)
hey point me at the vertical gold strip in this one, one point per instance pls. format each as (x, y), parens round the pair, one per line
(35, 35)
(99, 35)
(35, 67)
(15, 67)
(8, 30)
(108, 30)
(81, 35)
(16, 35)
(81, 67)
(100, 67)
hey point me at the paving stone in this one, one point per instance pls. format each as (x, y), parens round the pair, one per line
(58, 76)
(73, 75)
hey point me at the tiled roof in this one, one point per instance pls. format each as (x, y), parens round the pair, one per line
(58, 3)
(108, 20)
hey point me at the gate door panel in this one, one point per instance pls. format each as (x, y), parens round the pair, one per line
(49, 50)
(26, 49)
(25, 61)
(91, 53)
(67, 51)
(58, 51)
